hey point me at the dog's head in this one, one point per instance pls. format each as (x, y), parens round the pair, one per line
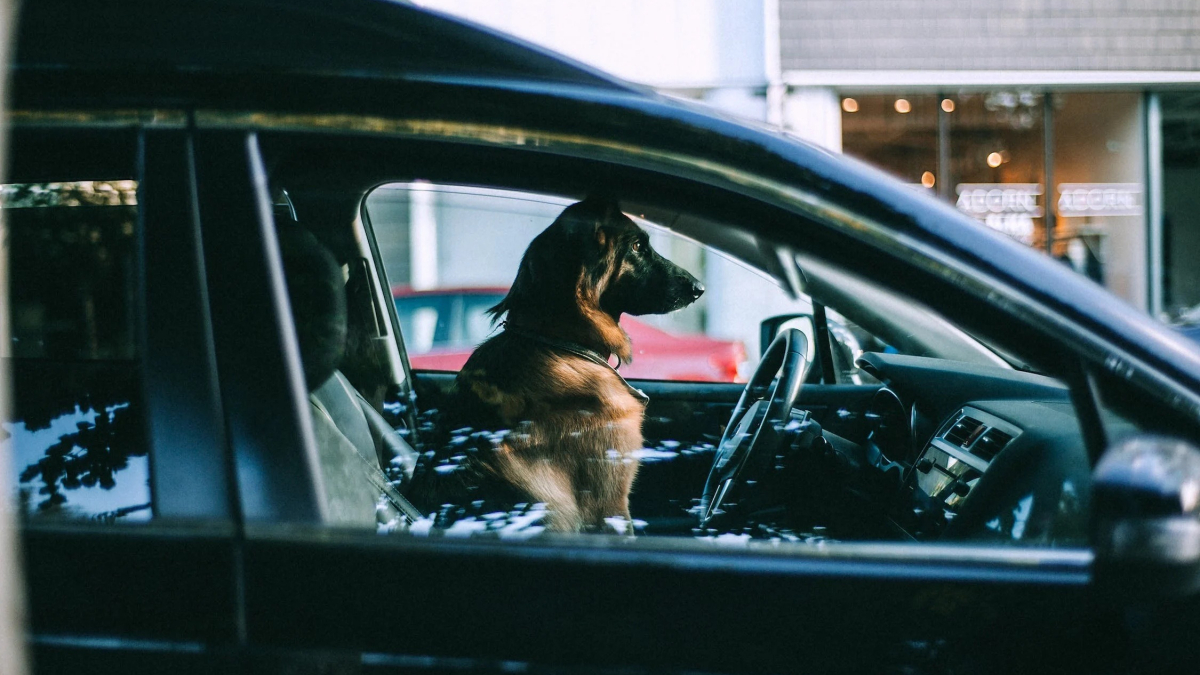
(595, 263)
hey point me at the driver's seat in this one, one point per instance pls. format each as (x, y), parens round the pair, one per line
(353, 441)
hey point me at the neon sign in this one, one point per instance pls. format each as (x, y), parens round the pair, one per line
(1006, 207)
(1099, 199)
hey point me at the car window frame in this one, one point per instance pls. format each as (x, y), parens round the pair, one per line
(403, 172)
(404, 169)
(166, 589)
(279, 555)
(189, 480)
(271, 441)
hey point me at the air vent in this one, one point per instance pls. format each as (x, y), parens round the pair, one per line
(964, 431)
(990, 444)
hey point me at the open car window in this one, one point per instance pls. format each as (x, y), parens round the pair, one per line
(921, 433)
(450, 253)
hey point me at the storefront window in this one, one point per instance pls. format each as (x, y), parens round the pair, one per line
(1181, 204)
(989, 153)
(997, 161)
(1099, 195)
(899, 134)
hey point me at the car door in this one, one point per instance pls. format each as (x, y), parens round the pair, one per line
(420, 96)
(116, 434)
(351, 598)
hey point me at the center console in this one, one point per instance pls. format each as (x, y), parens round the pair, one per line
(950, 466)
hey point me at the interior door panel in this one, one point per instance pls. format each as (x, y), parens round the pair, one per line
(683, 424)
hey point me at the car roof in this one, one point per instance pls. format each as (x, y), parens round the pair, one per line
(356, 38)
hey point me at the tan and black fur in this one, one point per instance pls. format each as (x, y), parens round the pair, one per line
(569, 427)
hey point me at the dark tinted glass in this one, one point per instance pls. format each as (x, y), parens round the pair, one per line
(76, 423)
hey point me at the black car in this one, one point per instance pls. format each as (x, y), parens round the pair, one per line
(191, 480)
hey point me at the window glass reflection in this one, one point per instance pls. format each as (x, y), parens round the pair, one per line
(75, 434)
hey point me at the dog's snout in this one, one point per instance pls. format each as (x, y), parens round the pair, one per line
(697, 290)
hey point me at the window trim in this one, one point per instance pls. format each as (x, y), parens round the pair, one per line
(271, 438)
(190, 475)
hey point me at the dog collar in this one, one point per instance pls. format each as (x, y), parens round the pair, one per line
(582, 352)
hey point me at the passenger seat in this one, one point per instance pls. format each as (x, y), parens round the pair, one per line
(353, 440)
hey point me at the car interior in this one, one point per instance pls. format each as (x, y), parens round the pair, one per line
(954, 437)
(961, 423)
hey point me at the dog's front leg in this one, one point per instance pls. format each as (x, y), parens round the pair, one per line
(545, 483)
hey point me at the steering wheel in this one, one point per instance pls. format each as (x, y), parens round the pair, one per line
(756, 428)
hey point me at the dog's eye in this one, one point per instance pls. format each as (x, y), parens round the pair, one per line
(637, 246)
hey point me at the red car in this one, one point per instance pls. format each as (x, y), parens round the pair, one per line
(443, 326)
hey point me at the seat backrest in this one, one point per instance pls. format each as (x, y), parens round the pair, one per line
(354, 443)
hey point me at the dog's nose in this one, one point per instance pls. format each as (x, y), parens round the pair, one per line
(697, 290)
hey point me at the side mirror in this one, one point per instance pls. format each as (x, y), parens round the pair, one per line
(772, 326)
(1146, 518)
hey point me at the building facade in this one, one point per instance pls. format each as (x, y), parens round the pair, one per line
(1070, 125)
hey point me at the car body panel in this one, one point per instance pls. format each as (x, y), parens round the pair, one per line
(280, 588)
(642, 604)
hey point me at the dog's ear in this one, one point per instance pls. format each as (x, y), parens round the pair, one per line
(550, 269)
(566, 269)
(591, 227)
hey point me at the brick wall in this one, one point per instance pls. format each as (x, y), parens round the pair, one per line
(990, 34)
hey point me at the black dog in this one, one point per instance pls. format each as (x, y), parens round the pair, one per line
(572, 422)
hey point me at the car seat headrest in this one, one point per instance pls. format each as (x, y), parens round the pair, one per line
(317, 292)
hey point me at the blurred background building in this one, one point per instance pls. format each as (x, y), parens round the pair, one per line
(1070, 125)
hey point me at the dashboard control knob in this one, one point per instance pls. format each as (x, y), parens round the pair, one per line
(961, 489)
(925, 465)
(822, 446)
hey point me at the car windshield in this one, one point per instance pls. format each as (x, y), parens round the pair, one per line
(898, 321)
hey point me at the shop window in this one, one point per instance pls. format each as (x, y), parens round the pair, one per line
(898, 133)
(987, 152)
(997, 161)
(1099, 196)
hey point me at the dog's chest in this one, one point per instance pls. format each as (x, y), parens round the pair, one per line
(605, 419)
(558, 404)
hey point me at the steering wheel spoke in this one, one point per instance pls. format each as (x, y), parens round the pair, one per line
(754, 432)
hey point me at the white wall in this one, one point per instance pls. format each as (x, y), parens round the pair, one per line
(814, 114)
(664, 43)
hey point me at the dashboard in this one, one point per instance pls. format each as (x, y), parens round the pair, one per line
(979, 452)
